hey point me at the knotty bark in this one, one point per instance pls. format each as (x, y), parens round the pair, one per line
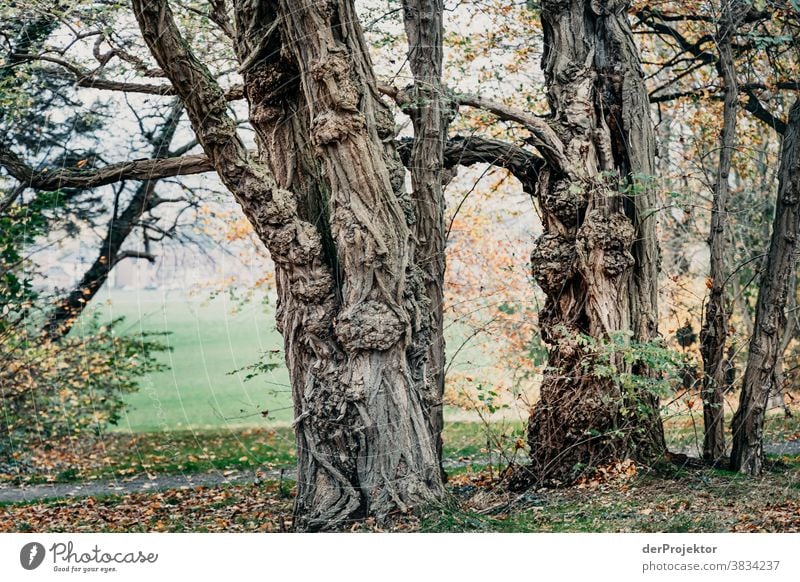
(597, 260)
(392, 455)
(326, 196)
(747, 455)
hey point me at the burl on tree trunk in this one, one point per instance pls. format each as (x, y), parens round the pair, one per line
(597, 260)
(326, 196)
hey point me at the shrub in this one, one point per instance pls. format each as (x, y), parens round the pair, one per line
(75, 386)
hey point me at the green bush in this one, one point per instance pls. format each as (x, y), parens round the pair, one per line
(74, 386)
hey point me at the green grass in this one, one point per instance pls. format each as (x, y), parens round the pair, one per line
(195, 451)
(209, 341)
(686, 433)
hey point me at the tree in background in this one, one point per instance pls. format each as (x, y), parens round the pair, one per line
(770, 322)
(752, 68)
(597, 261)
(714, 332)
(57, 191)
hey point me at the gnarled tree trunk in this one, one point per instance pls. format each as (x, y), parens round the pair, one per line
(747, 455)
(326, 195)
(597, 260)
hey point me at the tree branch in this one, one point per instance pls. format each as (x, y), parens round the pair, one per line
(459, 150)
(146, 169)
(522, 164)
(544, 138)
(89, 79)
(151, 258)
(754, 106)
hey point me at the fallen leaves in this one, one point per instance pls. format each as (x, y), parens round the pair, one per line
(611, 473)
(240, 508)
(775, 517)
(116, 455)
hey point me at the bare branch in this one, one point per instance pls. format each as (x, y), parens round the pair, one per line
(146, 169)
(151, 258)
(90, 80)
(544, 138)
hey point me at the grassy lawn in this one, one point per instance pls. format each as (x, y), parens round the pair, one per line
(121, 455)
(209, 341)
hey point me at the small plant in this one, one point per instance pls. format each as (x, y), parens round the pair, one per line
(71, 387)
(269, 361)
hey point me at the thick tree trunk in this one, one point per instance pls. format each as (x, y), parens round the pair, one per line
(364, 443)
(430, 115)
(349, 294)
(598, 258)
(747, 455)
(391, 453)
(715, 327)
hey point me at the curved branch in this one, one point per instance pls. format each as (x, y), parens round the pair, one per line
(146, 169)
(754, 106)
(544, 138)
(522, 164)
(87, 79)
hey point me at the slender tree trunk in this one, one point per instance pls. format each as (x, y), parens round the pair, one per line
(429, 113)
(747, 455)
(68, 309)
(597, 261)
(715, 327)
(777, 397)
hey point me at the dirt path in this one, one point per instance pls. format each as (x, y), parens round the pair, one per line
(138, 484)
(144, 483)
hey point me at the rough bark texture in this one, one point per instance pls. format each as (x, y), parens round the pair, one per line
(326, 196)
(597, 260)
(430, 114)
(715, 327)
(747, 455)
(392, 455)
